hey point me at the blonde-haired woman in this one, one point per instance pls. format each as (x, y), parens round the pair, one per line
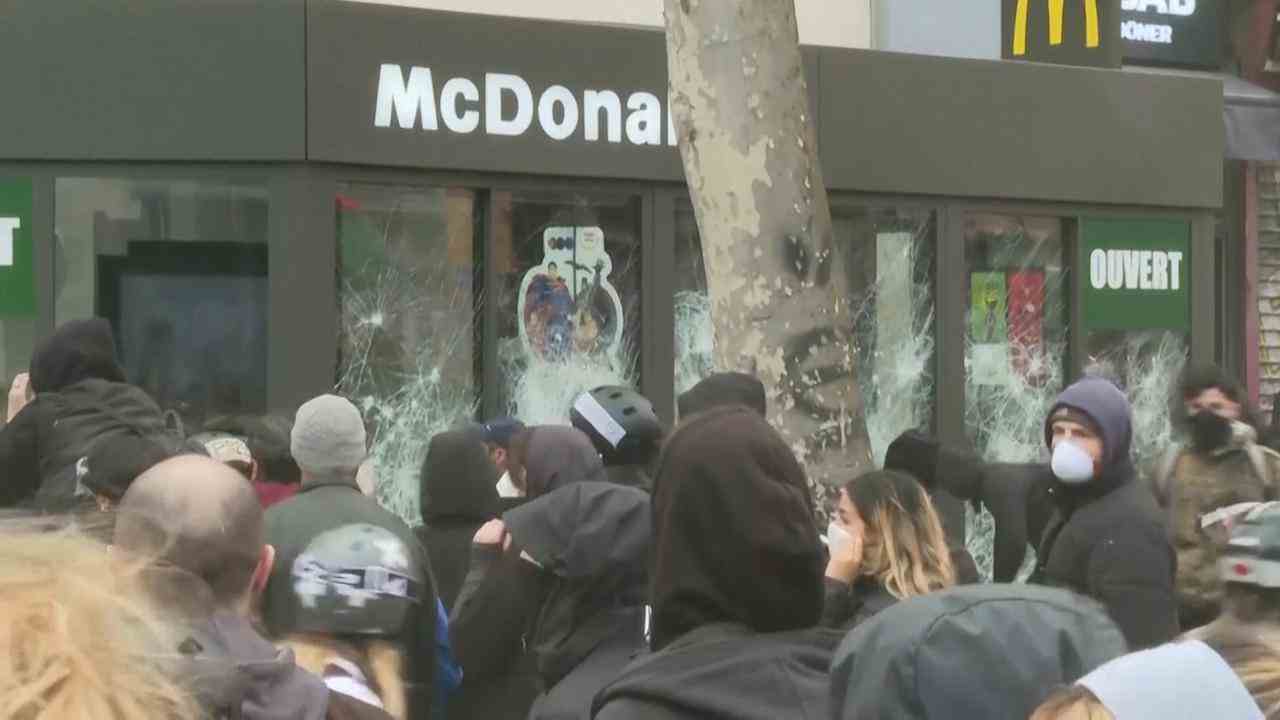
(886, 545)
(76, 639)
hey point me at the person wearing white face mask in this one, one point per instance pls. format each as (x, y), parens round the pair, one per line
(1107, 539)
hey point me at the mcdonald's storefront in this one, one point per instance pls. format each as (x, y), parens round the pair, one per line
(447, 215)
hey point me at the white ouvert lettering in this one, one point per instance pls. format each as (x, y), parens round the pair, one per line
(1144, 270)
(1115, 270)
(1098, 269)
(495, 84)
(593, 101)
(644, 124)
(558, 95)
(8, 226)
(1175, 271)
(456, 88)
(405, 100)
(1160, 270)
(1130, 268)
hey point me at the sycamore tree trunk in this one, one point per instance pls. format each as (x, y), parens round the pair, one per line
(777, 286)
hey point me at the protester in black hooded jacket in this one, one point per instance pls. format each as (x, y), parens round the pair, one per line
(81, 398)
(737, 588)
(1107, 538)
(492, 620)
(458, 496)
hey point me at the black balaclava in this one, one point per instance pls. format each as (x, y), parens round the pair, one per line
(79, 350)
(735, 538)
(458, 479)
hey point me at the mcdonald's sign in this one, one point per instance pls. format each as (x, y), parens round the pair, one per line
(1064, 32)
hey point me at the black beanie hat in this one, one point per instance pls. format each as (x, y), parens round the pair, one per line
(724, 389)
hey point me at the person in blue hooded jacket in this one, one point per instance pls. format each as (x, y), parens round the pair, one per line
(1107, 538)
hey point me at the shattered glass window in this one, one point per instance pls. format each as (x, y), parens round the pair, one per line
(568, 298)
(406, 269)
(695, 335)
(889, 261)
(1016, 334)
(1146, 365)
(179, 267)
(890, 265)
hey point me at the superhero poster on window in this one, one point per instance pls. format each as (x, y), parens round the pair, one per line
(568, 307)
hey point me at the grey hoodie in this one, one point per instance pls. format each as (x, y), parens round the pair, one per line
(230, 664)
(977, 651)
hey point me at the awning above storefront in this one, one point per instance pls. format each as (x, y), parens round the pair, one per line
(1252, 115)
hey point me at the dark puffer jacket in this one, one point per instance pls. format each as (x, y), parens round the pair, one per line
(1107, 539)
(81, 399)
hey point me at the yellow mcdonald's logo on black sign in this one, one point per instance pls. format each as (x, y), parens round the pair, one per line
(1056, 10)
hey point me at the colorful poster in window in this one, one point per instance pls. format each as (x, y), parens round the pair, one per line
(567, 305)
(989, 328)
(1026, 324)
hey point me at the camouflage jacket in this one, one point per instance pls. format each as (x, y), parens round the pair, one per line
(1190, 485)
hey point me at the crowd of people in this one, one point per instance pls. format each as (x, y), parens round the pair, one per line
(617, 569)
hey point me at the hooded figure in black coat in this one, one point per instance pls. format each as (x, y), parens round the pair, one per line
(494, 616)
(1107, 538)
(459, 494)
(723, 390)
(737, 588)
(81, 398)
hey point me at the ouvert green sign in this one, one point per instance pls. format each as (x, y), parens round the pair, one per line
(1136, 273)
(17, 271)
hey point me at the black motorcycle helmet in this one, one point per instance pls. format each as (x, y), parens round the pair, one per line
(620, 422)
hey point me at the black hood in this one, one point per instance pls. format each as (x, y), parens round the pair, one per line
(79, 350)
(458, 479)
(735, 538)
(727, 671)
(978, 651)
(723, 389)
(594, 537)
(559, 456)
(585, 529)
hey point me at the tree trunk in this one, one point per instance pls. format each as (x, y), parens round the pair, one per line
(778, 290)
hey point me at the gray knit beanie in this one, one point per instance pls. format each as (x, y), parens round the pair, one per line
(328, 437)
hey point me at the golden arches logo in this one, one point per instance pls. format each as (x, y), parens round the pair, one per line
(1056, 10)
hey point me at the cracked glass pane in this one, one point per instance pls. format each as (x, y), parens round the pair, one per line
(406, 289)
(889, 260)
(1146, 365)
(1015, 344)
(568, 298)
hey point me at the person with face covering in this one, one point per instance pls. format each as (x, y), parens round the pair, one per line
(499, 635)
(737, 583)
(975, 651)
(458, 496)
(1107, 538)
(1222, 465)
(74, 397)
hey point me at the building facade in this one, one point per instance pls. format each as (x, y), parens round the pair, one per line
(451, 215)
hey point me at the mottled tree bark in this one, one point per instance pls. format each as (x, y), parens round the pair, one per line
(778, 291)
